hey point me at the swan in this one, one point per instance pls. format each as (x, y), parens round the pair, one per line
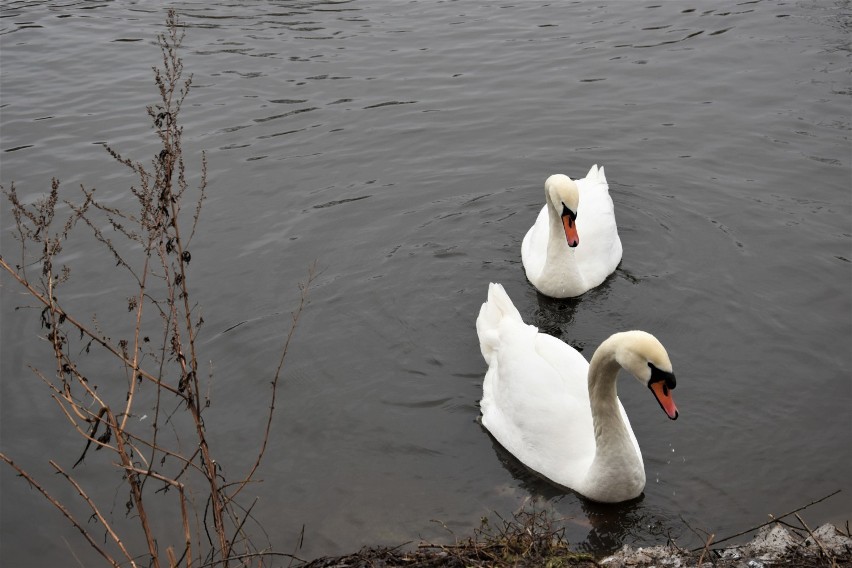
(573, 245)
(558, 414)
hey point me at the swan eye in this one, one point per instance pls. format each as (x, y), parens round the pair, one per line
(568, 213)
(658, 375)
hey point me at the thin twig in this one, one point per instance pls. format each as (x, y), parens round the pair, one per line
(83, 329)
(813, 536)
(303, 298)
(74, 554)
(95, 510)
(706, 547)
(241, 522)
(136, 493)
(140, 305)
(62, 509)
(774, 519)
(260, 554)
(674, 543)
(694, 531)
(796, 529)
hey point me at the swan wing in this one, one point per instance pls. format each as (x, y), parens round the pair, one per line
(600, 248)
(574, 369)
(534, 245)
(535, 403)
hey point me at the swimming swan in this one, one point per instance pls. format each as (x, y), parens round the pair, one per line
(573, 245)
(558, 414)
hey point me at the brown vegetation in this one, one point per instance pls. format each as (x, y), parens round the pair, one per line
(529, 539)
(166, 461)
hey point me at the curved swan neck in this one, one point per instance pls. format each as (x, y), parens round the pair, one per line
(603, 394)
(557, 246)
(617, 472)
(612, 436)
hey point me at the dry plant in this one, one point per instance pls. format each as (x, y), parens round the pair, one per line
(168, 453)
(531, 539)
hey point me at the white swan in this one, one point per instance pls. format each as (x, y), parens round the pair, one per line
(573, 245)
(558, 414)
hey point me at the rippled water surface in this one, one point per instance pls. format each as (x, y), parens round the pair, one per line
(403, 146)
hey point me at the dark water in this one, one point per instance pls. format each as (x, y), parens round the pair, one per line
(404, 146)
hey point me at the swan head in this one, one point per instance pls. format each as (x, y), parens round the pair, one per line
(645, 358)
(564, 197)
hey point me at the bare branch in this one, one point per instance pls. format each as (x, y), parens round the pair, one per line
(303, 298)
(97, 512)
(774, 519)
(83, 329)
(62, 509)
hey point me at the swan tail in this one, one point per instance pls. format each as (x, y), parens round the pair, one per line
(498, 307)
(597, 175)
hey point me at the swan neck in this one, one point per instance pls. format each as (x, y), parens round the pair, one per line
(617, 472)
(612, 435)
(557, 245)
(603, 394)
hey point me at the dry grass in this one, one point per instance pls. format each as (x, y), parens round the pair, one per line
(529, 539)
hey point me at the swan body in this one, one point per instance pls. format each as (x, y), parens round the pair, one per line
(573, 245)
(559, 414)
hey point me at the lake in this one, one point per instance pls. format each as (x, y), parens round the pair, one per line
(403, 146)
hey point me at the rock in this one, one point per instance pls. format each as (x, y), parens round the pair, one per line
(771, 546)
(832, 540)
(768, 544)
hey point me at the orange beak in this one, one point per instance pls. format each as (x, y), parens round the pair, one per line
(570, 227)
(664, 397)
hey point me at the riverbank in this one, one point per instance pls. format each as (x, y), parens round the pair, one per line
(532, 540)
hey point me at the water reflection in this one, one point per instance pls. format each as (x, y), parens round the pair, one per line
(609, 525)
(554, 314)
(613, 525)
